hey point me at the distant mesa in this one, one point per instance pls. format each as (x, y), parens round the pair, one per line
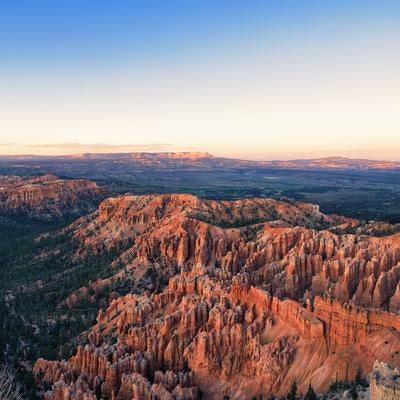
(207, 160)
(175, 155)
(143, 155)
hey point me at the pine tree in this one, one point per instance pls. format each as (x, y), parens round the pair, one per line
(293, 392)
(310, 395)
(359, 379)
(353, 392)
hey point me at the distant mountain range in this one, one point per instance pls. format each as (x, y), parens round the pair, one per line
(207, 160)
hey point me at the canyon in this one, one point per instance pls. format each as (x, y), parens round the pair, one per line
(243, 298)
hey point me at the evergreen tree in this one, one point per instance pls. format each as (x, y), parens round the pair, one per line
(353, 392)
(292, 392)
(359, 379)
(310, 395)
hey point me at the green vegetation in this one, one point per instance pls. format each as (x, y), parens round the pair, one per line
(359, 382)
(310, 395)
(293, 392)
(37, 274)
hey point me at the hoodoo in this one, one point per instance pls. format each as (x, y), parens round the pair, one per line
(261, 293)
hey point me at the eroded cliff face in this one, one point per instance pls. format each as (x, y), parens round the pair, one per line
(47, 197)
(385, 382)
(261, 293)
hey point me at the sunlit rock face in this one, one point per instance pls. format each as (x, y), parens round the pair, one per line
(47, 197)
(261, 293)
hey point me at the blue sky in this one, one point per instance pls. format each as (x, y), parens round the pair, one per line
(262, 79)
(81, 33)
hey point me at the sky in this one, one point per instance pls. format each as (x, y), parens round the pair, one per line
(250, 79)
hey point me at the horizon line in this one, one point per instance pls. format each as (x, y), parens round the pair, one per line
(206, 154)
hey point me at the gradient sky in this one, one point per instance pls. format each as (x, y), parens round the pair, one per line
(254, 79)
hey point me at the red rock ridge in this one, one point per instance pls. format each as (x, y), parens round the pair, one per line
(48, 197)
(254, 307)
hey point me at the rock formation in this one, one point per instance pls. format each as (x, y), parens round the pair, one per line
(260, 293)
(47, 197)
(384, 382)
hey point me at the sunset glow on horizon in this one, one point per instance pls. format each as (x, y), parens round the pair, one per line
(228, 78)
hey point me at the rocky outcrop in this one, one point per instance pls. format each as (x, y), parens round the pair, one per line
(384, 382)
(48, 197)
(197, 332)
(260, 295)
(194, 326)
(347, 324)
(281, 245)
